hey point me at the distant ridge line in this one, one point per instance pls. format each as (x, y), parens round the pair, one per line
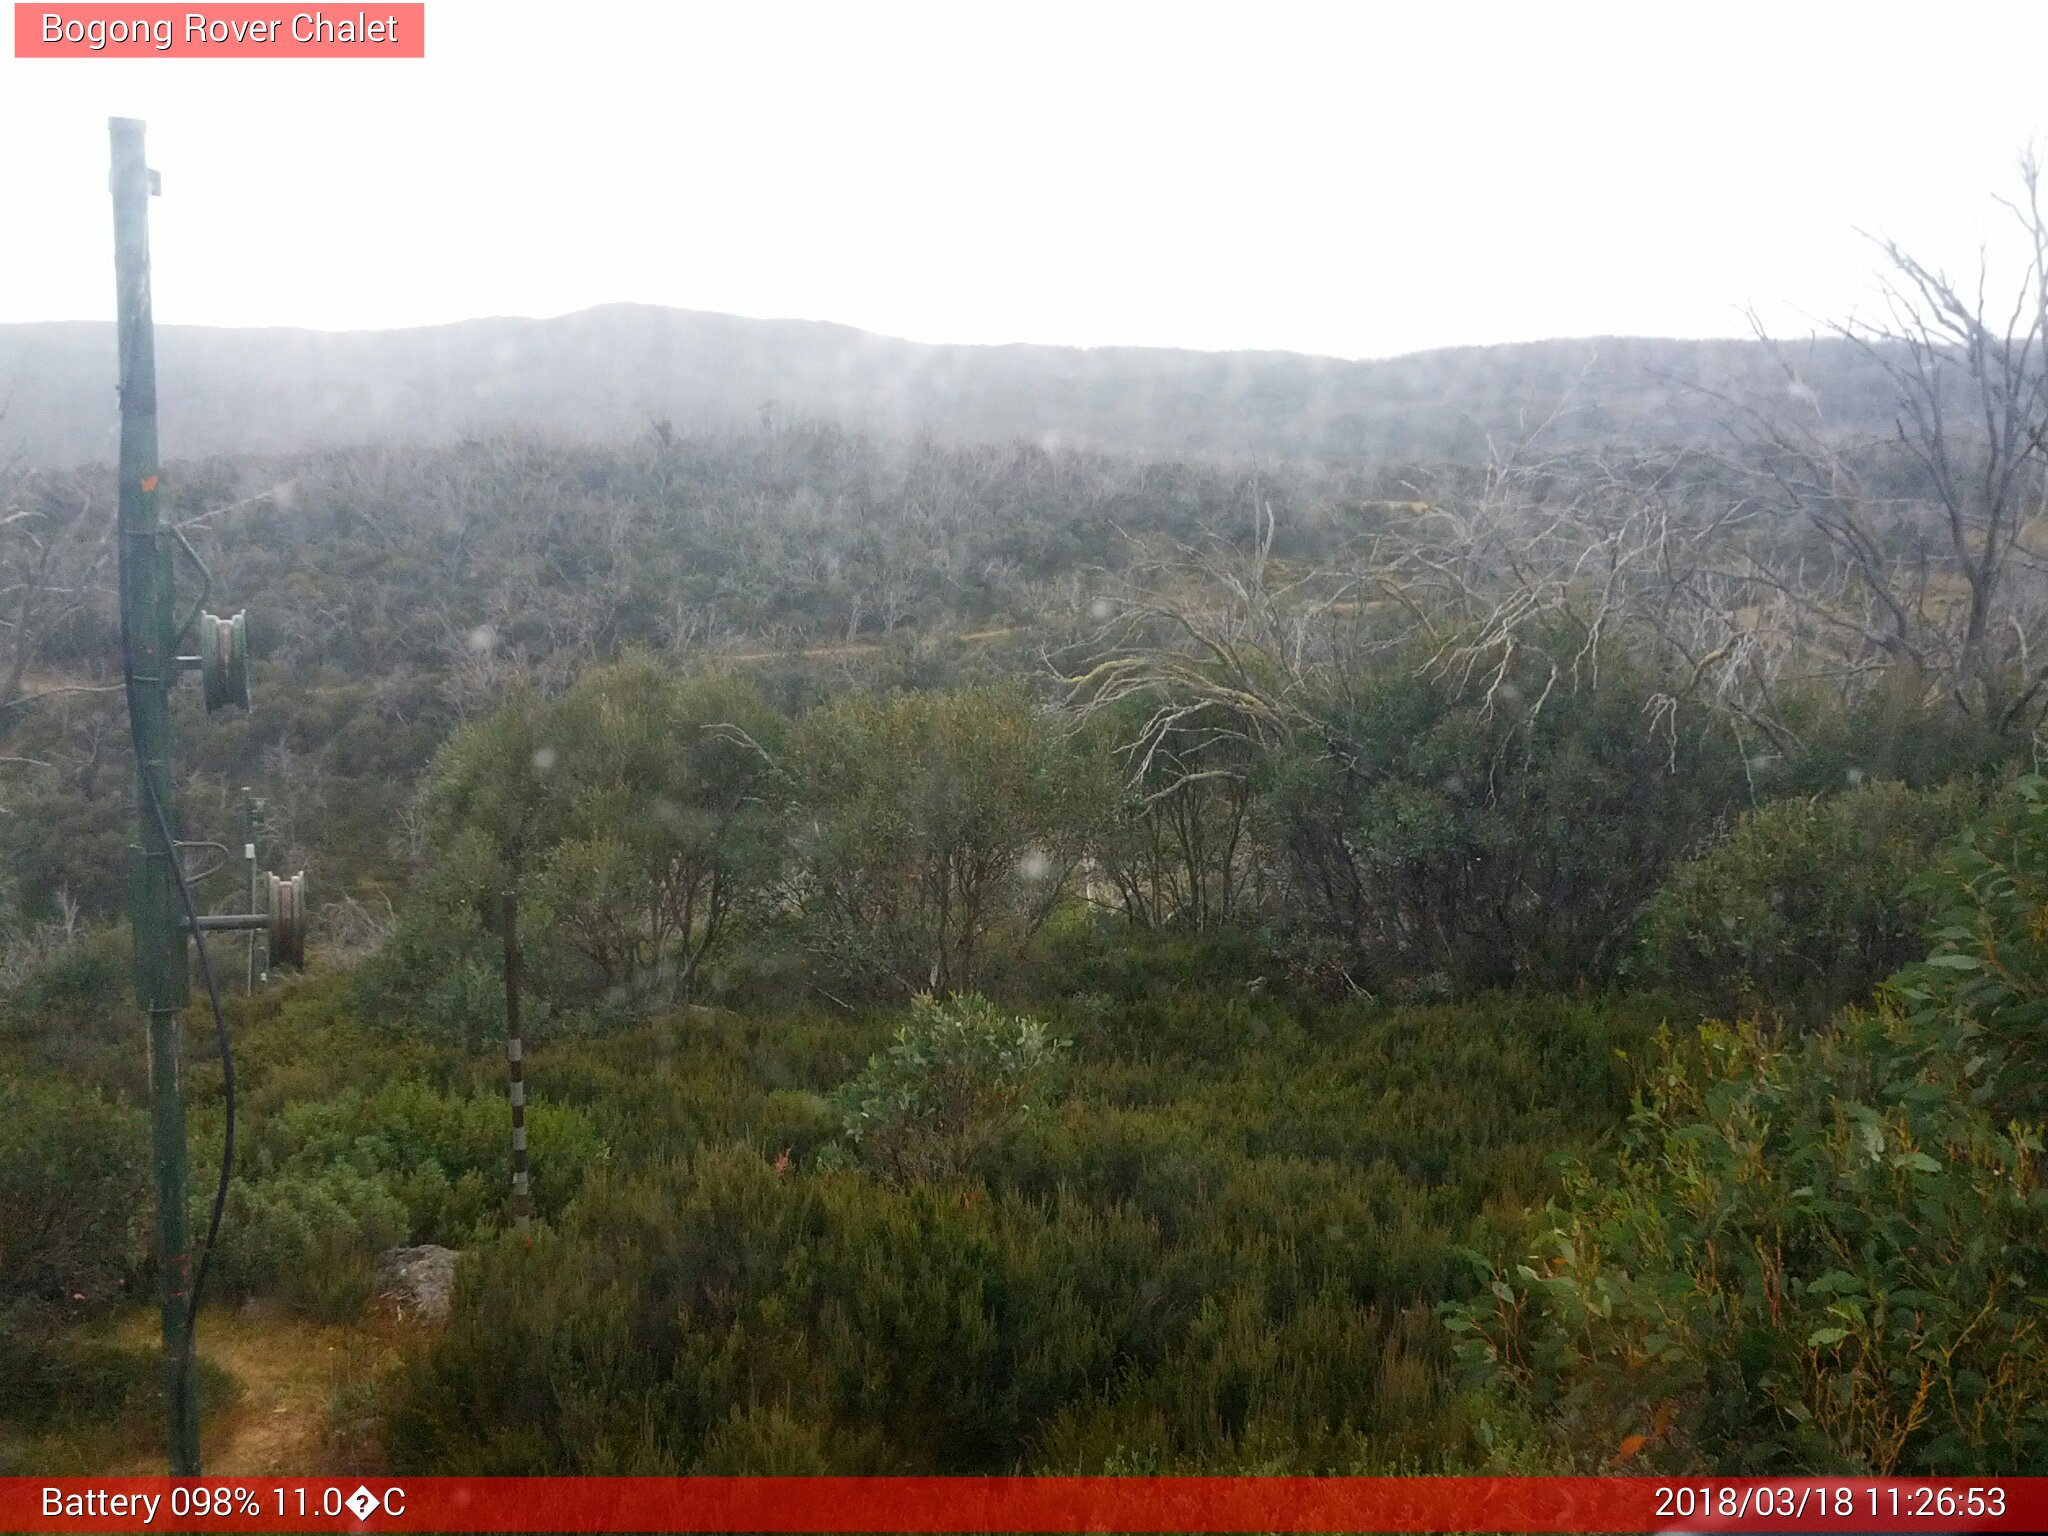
(612, 370)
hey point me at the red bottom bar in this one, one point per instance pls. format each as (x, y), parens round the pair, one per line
(1024, 1504)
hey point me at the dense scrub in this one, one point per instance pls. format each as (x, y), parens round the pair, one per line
(1021, 976)
(1236, 1200)
(1168, 1204)
(1187, 1260)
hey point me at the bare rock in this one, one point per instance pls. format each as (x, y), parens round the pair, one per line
(417, 1283)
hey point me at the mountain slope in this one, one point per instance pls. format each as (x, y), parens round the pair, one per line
(614, 369)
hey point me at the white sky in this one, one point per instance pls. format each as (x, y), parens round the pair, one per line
(1355, 179)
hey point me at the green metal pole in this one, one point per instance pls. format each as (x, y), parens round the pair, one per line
(151, 667)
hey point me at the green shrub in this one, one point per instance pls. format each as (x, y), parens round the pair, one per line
(1821, 1259)
(435, 1150)
(70, 1402)
(1810, 903)
(1087, 953)
(71, 1013)
(322, 1186)
(936, 832)
(1982, 994)
(74, 1188)
(440, 976)
(958, 1074)
(308, 1238)
(73, 1205)
(1824, 1256)
(46, 1382)
(1501, 826)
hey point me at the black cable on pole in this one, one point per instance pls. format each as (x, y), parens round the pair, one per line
(227, 1072)
(220, 1023)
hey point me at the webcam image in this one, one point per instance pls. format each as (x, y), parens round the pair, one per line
(910, 767)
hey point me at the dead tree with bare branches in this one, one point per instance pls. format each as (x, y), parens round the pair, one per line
(54, 564)
(1921, 554)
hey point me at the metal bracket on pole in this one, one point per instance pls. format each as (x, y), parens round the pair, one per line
(282, 922)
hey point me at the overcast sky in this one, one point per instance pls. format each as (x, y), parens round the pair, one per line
(1354, 179)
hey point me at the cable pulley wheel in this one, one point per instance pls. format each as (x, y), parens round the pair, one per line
(224, 661)
(288, 918)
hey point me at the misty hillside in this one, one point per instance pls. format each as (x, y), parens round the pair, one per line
(614, 369)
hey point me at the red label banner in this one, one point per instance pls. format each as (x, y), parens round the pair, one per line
(1023, 1504)
(229, 31)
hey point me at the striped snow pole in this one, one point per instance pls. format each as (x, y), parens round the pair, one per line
(522, 1200)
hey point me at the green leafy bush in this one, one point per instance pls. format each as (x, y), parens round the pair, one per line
(323, 1185)
(1810, 903)
(308, 1238)
(440, 976)
(670, 830)
(86, 1398)
(1440, 835)
(1824, 1259)
(71, 1012)
(936, 832)
(1825, 1256)
(958, 1074)
(445, 1156)
(1984, 987)
(74, 1188)
(74, 1192)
